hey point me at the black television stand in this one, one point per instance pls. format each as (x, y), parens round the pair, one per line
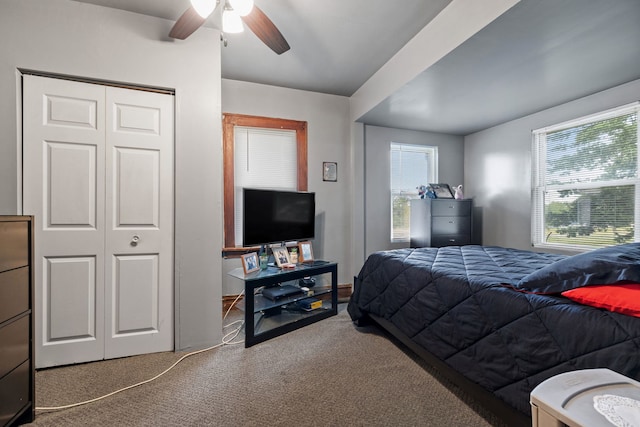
(266, 318)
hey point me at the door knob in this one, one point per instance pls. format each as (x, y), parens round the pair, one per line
(134, 240)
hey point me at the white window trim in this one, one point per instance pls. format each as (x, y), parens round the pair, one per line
(434, 178)
(538, 187)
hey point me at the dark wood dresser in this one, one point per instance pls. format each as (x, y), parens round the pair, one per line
(17, 367)
(440, 222)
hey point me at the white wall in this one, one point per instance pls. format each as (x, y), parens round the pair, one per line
(498, 165)
(358, 230)
(66, 37)
(377, 212)
(328, 136)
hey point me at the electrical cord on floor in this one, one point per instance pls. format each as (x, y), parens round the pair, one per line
(225, 341)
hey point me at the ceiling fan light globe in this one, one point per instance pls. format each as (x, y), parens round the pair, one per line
(204, 7)
(231, 22)
(241, 7)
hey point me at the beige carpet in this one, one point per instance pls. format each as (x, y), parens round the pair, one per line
(327, 374)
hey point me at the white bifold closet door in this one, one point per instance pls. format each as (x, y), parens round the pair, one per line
(98, 176)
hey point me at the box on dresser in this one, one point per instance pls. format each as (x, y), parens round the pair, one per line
(17, 391)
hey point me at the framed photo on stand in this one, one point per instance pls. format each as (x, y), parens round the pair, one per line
(442, 191)
(250, 263)
(305, 252)
(281, 255)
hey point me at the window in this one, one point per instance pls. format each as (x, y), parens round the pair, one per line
(585, 181)
(411, 167)
(259, 152)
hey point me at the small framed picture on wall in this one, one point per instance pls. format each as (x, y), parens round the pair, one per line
(329, 171)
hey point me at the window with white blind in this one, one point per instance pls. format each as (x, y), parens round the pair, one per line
(259, 152)
(585, 183)
(411, 167)
(263, 158)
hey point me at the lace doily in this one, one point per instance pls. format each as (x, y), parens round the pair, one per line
(618, 410)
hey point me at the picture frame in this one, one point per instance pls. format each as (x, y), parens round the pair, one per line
(442, 191)
(305, 252)
(250, 262)
(330, 171)
(281, 256)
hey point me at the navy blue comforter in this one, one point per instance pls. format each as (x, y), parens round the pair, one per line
(466, 305)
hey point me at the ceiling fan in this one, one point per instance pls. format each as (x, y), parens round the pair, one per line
(235, 12)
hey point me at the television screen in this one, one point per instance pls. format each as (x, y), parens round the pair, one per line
(273, 216)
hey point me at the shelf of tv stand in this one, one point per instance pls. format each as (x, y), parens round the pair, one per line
(266, 319)
(261, 303)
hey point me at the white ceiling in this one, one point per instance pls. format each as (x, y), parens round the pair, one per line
(336, 45)
(538, 54)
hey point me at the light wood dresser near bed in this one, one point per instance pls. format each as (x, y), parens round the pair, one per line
(17, 392)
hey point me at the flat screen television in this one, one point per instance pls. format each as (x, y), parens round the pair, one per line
(275, 216)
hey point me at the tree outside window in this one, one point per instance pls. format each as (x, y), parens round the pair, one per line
(586, 181)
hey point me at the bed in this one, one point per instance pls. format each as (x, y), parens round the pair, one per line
(502, 320)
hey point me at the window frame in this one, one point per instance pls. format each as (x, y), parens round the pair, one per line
(424, 148)
(538, 176)
(229, 122)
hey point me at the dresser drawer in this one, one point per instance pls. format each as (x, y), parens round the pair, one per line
(14, 392)
(450, 225)
(450, 207)
(14, 249)
(14, 293)
(450, 240)
(15, 344)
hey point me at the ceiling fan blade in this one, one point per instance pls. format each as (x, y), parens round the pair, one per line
(266, 31)
(186, 24)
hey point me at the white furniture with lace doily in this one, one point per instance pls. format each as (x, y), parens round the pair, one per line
(585, 398)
